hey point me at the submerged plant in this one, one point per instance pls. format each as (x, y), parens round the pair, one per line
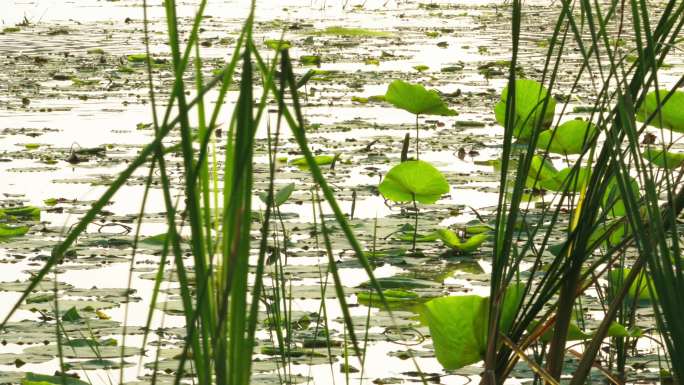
(417, 100)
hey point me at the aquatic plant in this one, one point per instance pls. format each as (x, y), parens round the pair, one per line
(279, 197)
(417, 100)
(354, 32)
(458, 325)
(603, 200)
(220, 293)
(469, 245)
(414, 181)
(664, 159)
(663, 109)
(613, 213)
(534, 108)
(569, 138)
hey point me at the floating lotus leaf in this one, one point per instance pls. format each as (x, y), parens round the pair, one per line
(408, 237)
(478, 228)
(157, 240)
(28, 212)
(320, 160)
(43, 379)
(277, 44)
(98, 363)
(354, 32)
(84, 351)
(414, 179)
(12, 231)
(68, 304)
(452, 240)
(393, 297)
(401, 283)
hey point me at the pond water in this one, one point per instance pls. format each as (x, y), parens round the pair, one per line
(66, 85)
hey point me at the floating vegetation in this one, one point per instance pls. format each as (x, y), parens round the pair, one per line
(195, 198)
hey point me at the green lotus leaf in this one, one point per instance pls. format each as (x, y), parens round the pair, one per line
(415, 99)
(28, 212)
(42, 379)
(541, 171)
(671, 112)
(320, 160)
(617, 330)
(408, 237)
(570, 137)
(478, 228)
(458, 325)
(574, 332)
(529, 101)
(414, 179)
(281, 196)
(612, 199)
(639, 289)
(401, 283)
(354, 32)
(664, 159)
(278, 44)
(567, 181)
(12, 231)
(452, 240)
(392, 297)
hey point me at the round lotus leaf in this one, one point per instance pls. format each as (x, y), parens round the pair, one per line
(671, 114)
(664, 159)
(541, 171)
(570, 137)
(173, 307)
(415, 179)
(529, 102)
(46, 379)
(568, 180)
(415, 99)
(612, 200)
